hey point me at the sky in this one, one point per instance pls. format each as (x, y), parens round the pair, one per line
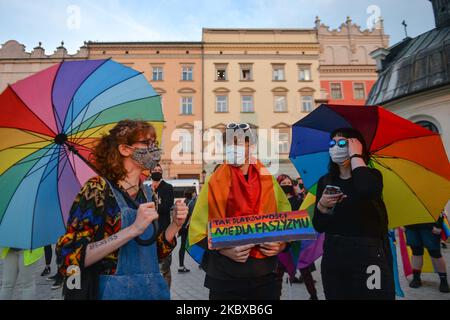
(76, 21)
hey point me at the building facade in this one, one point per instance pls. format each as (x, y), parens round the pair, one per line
(269, 78)
(175, 72)
(266, 78)
(414, 76)
(347, 72)
(17, 64)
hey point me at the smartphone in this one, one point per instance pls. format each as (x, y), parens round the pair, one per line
(332, 190)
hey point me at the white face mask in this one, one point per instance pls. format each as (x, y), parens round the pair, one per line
(339, 155)
(235, 155)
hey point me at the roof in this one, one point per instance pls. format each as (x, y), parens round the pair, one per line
(412, 66)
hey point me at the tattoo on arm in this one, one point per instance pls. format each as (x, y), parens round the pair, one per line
(103, 242)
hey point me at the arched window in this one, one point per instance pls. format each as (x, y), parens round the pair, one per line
(428, 125)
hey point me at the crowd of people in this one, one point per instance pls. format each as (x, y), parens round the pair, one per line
(125, 223)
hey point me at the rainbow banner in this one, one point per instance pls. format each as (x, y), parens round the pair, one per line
(257, 229)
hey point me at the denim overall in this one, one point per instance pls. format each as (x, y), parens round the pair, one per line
(137, 276)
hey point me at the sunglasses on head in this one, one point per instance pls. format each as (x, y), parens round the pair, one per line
(236, 126)
(341, 143)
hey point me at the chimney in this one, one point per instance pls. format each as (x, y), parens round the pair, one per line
(441, 10)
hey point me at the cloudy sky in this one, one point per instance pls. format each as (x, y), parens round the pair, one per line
(75, 21)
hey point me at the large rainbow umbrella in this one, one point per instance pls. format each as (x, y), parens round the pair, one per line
(412, 159)
(49, 123)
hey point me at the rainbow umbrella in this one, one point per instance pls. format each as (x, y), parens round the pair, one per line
(49, 123)
(412, 159)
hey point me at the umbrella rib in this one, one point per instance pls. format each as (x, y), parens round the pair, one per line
(397, 141)
(55, 166)
(91, 134)
(77, 128)
(35, 201)
(81, 84)
(31, 160)
(106, 89)
(53, 105)
(66, 159)
(17, 187)
(116, 105)
(29, 174)
(76, 137)
(406, 184)
(412, 161)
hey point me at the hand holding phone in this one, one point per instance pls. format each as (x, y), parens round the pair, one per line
(331, 196)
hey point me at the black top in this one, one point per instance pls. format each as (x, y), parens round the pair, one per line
(295, 203)
(362, 213)
(166, 200)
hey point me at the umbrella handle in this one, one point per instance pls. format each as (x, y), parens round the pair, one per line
(152, 239)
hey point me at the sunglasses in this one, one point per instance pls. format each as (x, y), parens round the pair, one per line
(236, 126)
(342, 143)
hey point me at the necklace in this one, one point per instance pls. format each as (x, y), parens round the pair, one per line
(131, 186)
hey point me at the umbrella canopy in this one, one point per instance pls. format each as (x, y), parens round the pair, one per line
(49, 123)
(412, 159)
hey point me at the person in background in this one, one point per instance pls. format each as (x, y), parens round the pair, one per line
(48, 261)
(352, 214)
(163, 193)
(427, 235)
(58, 277)
(190, 196)
(300, 189)
(19, 262)
(287, 184)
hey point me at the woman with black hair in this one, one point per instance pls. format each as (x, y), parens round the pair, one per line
(356, 263)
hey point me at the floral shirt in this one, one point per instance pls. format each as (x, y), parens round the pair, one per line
(86, 217)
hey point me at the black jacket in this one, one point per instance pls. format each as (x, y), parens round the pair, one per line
(165, 198)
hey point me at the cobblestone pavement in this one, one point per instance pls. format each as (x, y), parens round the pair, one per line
(189, 286)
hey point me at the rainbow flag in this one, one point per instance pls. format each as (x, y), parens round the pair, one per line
(212, 204)
(305, 252)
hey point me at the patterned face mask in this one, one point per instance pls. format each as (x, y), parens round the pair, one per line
(148, 158)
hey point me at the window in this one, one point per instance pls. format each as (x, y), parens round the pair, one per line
(359, 91)
(278, 73)
(336, 91)
(186, 105)
(158, 74)
(283, 142)
(186, 143)
(428, 125)
(221, 104)
(247, 104)
(280, 104)
(307, 104)
(187, 73)
(304, 73)
(221, 73)
(246, 72)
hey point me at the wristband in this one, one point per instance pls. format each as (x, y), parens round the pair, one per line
(357, 156)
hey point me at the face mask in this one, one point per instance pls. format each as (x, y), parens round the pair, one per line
(156, 176)
(148, 158)
(339, 155)
(235, 155)
(287, 189)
